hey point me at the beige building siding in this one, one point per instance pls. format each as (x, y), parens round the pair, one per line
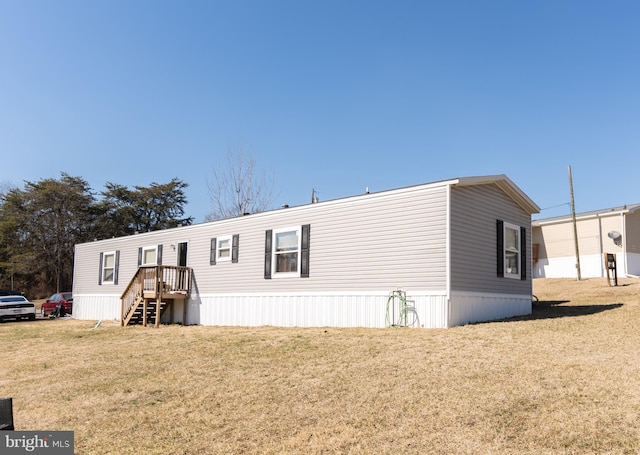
(631, 243)
(555, 240)
(556, 250)
(557, 254)
(632, 233)
(474, 211)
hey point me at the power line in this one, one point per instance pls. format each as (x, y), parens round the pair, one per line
(556, 206)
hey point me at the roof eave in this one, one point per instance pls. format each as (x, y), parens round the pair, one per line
(506, 185)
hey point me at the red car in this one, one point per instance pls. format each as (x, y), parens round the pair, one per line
(63, 298)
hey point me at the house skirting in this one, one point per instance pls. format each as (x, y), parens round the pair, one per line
(350, 309)
(469, 307)
(97, 307)
(339, 309)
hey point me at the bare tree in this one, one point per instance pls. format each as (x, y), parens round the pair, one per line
(236, 190)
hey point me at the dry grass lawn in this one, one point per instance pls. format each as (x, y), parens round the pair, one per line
(565, 380)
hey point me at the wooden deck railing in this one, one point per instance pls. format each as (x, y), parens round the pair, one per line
(155, 283)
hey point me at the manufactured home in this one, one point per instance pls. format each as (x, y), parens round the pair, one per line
(614, 232)
(434, 255)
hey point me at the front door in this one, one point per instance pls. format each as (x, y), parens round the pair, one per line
(182, 262)
(182, 254)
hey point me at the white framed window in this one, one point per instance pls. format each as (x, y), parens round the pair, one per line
(108, 267)
(149, 255)
(286, 252)
(512, 245)
(223, 249)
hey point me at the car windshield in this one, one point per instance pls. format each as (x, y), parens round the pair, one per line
(13, 299)
(67, 296)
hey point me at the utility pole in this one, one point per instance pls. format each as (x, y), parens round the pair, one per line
(575, 227)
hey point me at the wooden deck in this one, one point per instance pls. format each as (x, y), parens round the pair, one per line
(152, 291)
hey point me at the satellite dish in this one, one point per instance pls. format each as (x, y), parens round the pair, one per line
(616, 237)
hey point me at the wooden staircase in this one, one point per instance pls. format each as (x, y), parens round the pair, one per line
(150, 285)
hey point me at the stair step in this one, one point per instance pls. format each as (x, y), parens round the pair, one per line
(137, 316)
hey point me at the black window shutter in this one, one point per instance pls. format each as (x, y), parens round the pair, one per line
(212, 253)
(500, 247)
(116, 266)
(523, 253)
(100, 270)
(267, 254)
(139, 256)
(304, 251)
(159, 260)
(234, 248)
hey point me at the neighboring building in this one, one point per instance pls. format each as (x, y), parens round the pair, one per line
(460, 249)
(614, 231)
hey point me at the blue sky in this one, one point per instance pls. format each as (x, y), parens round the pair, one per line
(332, 95)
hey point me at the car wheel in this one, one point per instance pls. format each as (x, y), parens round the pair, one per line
(32, 317)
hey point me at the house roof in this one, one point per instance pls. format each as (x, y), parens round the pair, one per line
(506, 185)
(591, 214)
(501, 180)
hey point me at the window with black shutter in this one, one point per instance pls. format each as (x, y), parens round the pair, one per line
(267, 254)
(150, 255)
(287, 252)
(224, 249)
(100, 269)
(500, 247)
(212, 253)
(109, 267)
(510, 250)
(235, 245)
(523, 253)
(304, 251)
(116, 267)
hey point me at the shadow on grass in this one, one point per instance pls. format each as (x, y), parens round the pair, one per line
(547, 303)
(550, 309)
